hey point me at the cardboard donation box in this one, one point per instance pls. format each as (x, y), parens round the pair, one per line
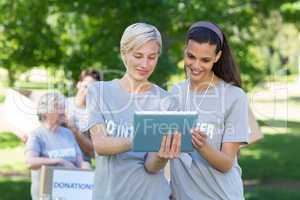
(59, 183)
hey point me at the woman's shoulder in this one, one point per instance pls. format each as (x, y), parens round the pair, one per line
(233, 91)
(234, 95)
(99, 86)
(39, 131)
(179, 87)
(159, 90)
(38, 134)
(66, 132)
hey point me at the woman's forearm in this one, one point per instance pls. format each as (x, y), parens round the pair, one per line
(105, 145)
(112, 146)
(37, 162)
(85, 143)
(218, 159)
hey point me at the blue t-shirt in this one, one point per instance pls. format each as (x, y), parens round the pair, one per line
(123, 176)
(61, 144)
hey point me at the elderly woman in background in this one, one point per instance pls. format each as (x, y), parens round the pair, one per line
(51, 144)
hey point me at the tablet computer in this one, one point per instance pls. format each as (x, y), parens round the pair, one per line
(150, 126)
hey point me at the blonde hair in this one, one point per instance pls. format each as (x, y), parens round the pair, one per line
(138, 34)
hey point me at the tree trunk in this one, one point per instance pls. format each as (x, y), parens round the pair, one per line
(11, 77)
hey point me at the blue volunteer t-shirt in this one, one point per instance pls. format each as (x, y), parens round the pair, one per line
(60, 144)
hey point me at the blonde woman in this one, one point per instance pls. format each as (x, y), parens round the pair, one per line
(120, 173)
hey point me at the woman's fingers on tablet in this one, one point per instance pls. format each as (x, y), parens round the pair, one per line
(170, 146)
(178, 145)
(203, 135)
(197, 132)
(194, 144)
(174, 146)
(162, 146)
(197, 142)
(194, 130)
(168, 143)
(200, 135)
(177, 138)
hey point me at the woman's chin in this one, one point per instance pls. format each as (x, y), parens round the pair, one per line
(196, 78)
(141, 78)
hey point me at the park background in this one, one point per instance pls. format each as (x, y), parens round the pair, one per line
(45, 44)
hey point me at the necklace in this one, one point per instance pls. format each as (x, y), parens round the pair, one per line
(187, 99)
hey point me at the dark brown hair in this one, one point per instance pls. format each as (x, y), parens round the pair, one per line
(226, 67)
(95, 74)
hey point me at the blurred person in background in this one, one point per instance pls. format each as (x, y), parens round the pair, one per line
(51, 144)
(76, 112)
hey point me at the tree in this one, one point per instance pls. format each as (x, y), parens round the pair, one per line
(77, 34)
(26, 39)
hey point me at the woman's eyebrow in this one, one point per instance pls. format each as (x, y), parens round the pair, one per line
(190, 53)
(206, 57)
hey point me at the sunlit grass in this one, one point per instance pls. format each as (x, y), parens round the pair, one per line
(276, 156)
(11, 154)
(266, 193)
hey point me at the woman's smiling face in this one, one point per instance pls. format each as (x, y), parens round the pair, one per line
(199, 59)
(141, 62)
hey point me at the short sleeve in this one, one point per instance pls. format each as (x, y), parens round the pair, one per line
(236, 121)
(34, 143)
(94, 101)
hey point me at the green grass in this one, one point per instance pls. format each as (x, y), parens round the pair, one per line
(9, 140)
(18, 189)
(2, 98)
(11, 154)
(32, 85)
(276, 156)
(12, 161)
(265, 193)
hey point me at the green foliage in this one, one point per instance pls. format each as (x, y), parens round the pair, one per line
(2, 98)
(9, 140)
(26, 39)
(291, 11)
(74, 35)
